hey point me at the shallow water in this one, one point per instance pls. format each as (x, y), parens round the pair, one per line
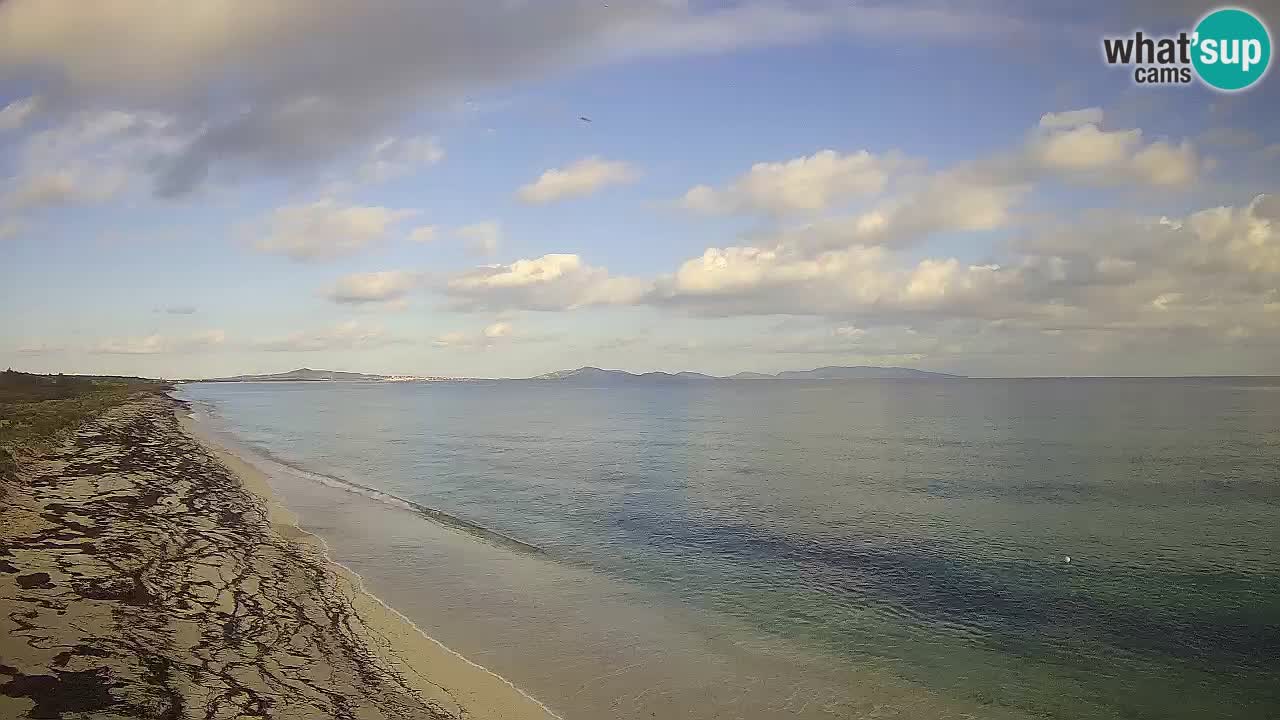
(846, 549)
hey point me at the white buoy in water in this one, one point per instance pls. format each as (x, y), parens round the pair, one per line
(1067, 558)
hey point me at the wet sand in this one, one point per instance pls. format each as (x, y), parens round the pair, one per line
(146, 575)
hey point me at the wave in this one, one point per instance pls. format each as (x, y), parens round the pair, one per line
(438, 516)
(448, 520)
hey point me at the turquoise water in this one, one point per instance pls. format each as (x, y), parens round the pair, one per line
(824, 549)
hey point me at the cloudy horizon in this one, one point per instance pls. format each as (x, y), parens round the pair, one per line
(508, 188)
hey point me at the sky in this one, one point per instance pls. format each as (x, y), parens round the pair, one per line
(502, 188)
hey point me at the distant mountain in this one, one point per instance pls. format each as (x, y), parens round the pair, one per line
(860, 372)
(585, 374)
(695, 376)
(594, 376)
(301, 375)
(597, 376)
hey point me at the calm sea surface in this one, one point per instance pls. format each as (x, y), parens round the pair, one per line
(808, 549)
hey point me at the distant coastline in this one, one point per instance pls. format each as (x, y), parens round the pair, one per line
(595, 376)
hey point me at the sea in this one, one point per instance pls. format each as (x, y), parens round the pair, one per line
(1039, 548)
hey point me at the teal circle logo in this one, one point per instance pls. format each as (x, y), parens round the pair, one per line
(1232, 49)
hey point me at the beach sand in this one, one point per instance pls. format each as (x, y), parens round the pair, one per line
(147, 574)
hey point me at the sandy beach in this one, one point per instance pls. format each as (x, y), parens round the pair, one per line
(147, 574)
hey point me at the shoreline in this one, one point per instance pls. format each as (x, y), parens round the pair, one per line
(263, 460)
(147, 572)
(256, 481)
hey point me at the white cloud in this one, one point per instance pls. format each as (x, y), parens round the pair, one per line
(1165, 165)
(16, 114)
(1081, 151)
(374, 287)
(52, 189)
(802, 184)
(394, 157)
(1243, 240)
(161, 344)
(1085, 148)
(88, 157)
(38, 347)
(1106, 284)
(978, 196)
(492, 335)
(946, 202)
(1219, 249)
(579, 179)
(858, 279)
(497, 330)
(349, 335)
(423, 234)
(325, 229)
(482, 238)
(550, 282)
(1071, 118)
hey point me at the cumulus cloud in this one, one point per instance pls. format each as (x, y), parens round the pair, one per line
(394, 157)
(326, 229)
(977, 196)
(161, 344)
(550, 282)
(802, 184)
(349, 335)
(374, 287)
(17, 113)
(1073, 146)
(946, 202)
(423, 234)
(855, 280)
(1099, 285)
(1233, 248)
(497, 330)
(579, 179)
(1071, 118)
(1118, 284)
(481, 238)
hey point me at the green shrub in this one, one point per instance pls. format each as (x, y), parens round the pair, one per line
(36, 410)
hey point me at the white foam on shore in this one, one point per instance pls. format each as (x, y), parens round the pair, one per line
(211, 435)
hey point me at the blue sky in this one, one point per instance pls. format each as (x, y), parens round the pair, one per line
(956, 186)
